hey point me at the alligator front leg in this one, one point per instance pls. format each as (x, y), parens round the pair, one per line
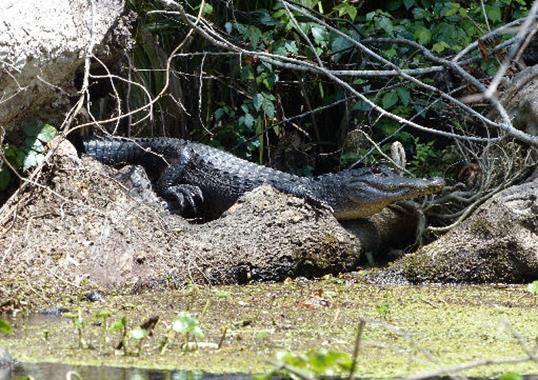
(169, 186)
(302, 191)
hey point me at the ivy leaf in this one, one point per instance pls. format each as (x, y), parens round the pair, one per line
(423, 35)
(291, 47)
(347, 9)
(219, 112)
(493, 12)
(266, 19)
(320, 34)
(257, 101)
(47, 133)
(254, 35)
(361, 106)
(5, 179)
(32, 159)
(268, 108)
(439, 47)
(14, 155)
(385, 24)
(408, 3)
(404, 95)
(390, 99)
(208, 9)
(119, 325)
(247, 120)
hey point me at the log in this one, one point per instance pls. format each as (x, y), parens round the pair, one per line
(90, 228)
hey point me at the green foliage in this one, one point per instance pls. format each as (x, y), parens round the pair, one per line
(313, 364)
(5, 327)
(383, 309)
(511, 376)
(533, 287)
(428, 161)
(254, 96)
(78, 323)
(30, 153)
(187, 325)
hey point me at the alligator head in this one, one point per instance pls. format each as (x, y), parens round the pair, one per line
(367, 191)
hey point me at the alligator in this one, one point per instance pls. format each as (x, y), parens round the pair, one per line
(206, 181)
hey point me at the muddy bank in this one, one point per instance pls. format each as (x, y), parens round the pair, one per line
(83, 230)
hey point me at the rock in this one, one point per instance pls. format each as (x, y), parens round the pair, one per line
(6, 360)
(42, 44)
(498, 243)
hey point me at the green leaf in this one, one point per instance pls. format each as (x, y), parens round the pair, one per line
(219, 112)
(439, 47)
(33, 144)
(453, 9)
(5, 327)
(119, 325)
(254, 35)
(32, 159)
(257, 101)
(249, 120)
(347, 9)
(408, 3)
(208, 9)
(533, 287)
(138, 333)
(266, 19)
(385, 24)
(15, 156)
(268, 108)
(320, 34)
(47, 133)
(423, 35)
(361, 106)
(404, 95)
(291, 47)
(102, 314)
(197, 332)
(390, 99)
(187, 324)
(493, 12)
(5, 179)
(511, 376)
(31, 127)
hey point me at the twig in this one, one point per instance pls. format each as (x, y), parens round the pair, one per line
(356, 348)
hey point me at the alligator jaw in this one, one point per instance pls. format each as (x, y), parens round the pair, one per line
(370, 193)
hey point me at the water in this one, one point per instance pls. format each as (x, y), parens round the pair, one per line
(57, 371)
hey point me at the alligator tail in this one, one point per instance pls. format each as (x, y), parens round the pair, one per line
(115, 150)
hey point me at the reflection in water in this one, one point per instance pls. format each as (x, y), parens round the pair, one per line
(47, 371)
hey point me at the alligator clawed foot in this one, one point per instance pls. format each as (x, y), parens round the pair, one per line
(185, 194)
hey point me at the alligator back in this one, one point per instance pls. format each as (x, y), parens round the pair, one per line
(221, 176)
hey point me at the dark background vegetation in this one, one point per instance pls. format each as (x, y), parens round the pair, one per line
(295, 121)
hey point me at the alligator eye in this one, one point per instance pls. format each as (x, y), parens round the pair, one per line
(376, 169)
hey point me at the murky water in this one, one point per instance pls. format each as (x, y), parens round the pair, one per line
(49, 371)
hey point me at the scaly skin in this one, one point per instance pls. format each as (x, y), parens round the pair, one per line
(207, 181)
